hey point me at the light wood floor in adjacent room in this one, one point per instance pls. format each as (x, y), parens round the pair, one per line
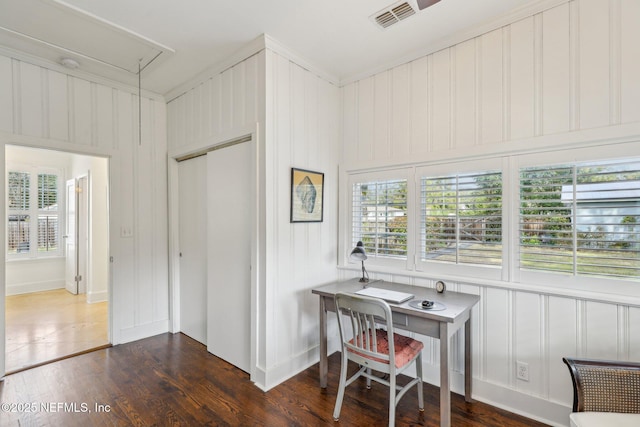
(45, 326)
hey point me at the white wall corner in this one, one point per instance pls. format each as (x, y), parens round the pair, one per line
(253, 47)
(279, 48)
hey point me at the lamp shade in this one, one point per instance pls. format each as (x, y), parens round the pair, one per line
(358, 253)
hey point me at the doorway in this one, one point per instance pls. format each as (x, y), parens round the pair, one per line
(46, 317)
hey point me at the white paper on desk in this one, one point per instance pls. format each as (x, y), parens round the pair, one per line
(385, 294)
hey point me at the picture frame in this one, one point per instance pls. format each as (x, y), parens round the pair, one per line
(307, 195)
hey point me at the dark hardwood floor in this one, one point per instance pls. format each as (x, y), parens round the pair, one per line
(171, 380)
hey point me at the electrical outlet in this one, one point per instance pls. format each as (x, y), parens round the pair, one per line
(522, 371)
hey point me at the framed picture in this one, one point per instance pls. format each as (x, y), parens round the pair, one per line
(307, 195)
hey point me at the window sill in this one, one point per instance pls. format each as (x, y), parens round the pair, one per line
(610, 297)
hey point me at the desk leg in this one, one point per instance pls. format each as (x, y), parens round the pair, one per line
(324, 365)
(468, 377)
(445, 392)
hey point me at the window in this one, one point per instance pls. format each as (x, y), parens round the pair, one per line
(462, 218)
(26, 237)
(379, 217)
(581, 219)
(518, 219)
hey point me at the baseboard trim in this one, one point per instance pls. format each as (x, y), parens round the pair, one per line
(27, 288)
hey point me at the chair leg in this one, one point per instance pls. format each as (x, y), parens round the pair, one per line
(419, 385)
(341, 386)
(392, 400)
(369, 379)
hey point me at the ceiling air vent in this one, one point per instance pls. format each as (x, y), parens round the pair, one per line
(393, 14)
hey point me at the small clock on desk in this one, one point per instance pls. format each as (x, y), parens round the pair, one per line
(440, 287)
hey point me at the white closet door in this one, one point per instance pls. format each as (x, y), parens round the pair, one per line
(230, 212)
(192, 190)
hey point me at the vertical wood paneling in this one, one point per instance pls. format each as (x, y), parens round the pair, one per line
(418, 107)
(82, 111)
(601, 331)
(634, 333)
(216, 104)
(312, 113)
(440, 86)
(562, 342)
(58, 106)
(594, 51)
(199, 99)
(381, 115)
(6, 94)
(124, 192)
(298, 115)
(528, 346)
(400, 126)
(31, 99)
(556, 75)
(365, 118)
(497, 357)
(160, 242)
(466, 94)
(238, 94)
(144, 212)
(491, 98)
(522, 79)
(104, 117)
(226, 100)
(629, 61)
(250, 102)
(349, 97)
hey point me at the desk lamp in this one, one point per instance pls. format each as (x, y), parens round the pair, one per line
(358, 254)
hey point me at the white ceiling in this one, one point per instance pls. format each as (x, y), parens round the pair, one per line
(336, 36)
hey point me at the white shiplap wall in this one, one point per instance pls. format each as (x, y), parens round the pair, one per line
(43, 106)
(297, 117)
(565, 75)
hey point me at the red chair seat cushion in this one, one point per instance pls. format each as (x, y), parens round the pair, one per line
(406, 348)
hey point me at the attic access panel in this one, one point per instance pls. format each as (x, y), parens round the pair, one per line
(52, 29)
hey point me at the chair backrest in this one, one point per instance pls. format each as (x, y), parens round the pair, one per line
(604, 385)
(365, 341)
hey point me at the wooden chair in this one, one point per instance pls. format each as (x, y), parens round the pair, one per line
(371, 348)
(605, 392)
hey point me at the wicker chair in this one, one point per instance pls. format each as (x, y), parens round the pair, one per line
(605, 392)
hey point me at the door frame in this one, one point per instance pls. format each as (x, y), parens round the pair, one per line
(173, 156)
(54, 145)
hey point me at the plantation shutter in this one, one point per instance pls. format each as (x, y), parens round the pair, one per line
(18, 224)
(581, 219)
(379, 215)
(48, 212)
(462, 218)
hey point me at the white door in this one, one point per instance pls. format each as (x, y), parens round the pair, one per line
(70, 239)
(77, 235)
(230, 212)
(192, 193)
(82, 240)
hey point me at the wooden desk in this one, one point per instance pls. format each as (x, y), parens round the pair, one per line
(436, 324)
